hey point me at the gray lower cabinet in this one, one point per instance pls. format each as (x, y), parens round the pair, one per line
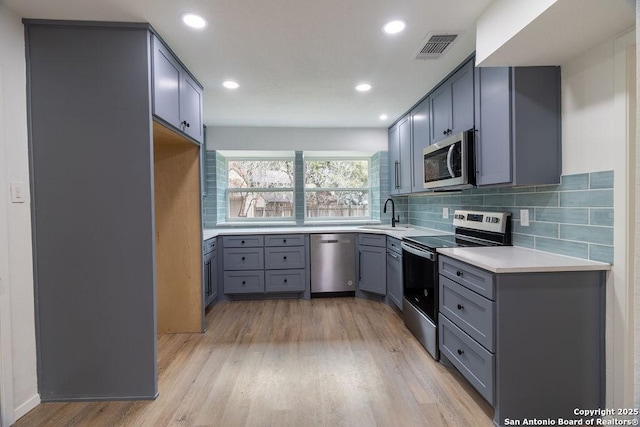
(266, 264)
(372, 264)
(517, 118)
(177, 97)
(210, 264)
(532, 344)
(394, 272)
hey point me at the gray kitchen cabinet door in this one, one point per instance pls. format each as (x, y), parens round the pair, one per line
(372, 269)
(191, 108)
(210, 283)
(404, 141)
(394, 160)
(493, 115)
(419, 141)
(462, 99)
(440, 109)
(394, 278)
(166, 84)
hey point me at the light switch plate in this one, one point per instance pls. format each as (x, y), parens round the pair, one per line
(524, 217)
(445, 212)
(17, 192)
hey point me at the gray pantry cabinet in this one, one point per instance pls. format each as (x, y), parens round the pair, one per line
(400, 174)
(518, 138)
(451, 104)
(103, 174)
(394, 272)
(372, 263)
(177, 98)
(532, 344)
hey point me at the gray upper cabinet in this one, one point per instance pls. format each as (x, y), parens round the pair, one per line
(451, 104)
(400, 157)
(419, 141)
(517, 118)
(177, 97)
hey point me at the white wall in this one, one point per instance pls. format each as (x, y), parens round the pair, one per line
(596, 97)
(637, 219)
(305, 139)
(19, 381)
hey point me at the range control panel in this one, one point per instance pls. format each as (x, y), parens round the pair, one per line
(485, 221)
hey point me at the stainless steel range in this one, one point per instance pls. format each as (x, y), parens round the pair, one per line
(420, 267)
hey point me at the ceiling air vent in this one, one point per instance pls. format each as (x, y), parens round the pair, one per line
(436, 44)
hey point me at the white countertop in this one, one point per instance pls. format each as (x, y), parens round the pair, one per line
(399, 232)
(513, 259)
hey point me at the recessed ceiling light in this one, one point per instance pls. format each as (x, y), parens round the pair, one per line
(194, 21)
(383, 117)
(363, 87)
(230, 84)
(394, 27)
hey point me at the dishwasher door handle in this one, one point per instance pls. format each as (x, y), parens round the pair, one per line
(328, 241)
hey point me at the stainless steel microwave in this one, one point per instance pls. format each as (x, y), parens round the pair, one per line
(449, 164)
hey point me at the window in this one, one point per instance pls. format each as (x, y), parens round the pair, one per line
(337, 188)
(260, 189)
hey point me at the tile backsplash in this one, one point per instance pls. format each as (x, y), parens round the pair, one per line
(572, 218)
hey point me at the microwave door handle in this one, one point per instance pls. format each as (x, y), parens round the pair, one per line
(449, 165)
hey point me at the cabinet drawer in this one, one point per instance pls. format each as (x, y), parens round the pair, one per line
(285, 280)
(243, 282)
(475, 363)
(209, 245)
(469, 311)
(393, 244)
(284, 240)
(244, 259)
(242, 241)
(372, 240)
(476, 279)
(285, 257)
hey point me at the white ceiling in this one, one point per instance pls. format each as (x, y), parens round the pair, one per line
(297, 61)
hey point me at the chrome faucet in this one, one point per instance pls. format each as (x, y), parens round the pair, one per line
(394, 221)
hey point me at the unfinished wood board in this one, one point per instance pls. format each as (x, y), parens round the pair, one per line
(178, 235)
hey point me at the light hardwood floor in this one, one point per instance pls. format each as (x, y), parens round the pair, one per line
(320, 362)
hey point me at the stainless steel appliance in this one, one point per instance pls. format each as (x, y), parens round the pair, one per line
(333, 266)
(449, 164)
(420, 267)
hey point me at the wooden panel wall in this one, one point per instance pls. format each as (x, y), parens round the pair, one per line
(178, 233)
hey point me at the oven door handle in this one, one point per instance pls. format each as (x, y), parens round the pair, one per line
(449, 164)
(416, 252)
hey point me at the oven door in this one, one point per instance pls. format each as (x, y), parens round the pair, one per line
(420, 280)
(449, 163)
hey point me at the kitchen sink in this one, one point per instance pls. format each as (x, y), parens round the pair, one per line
(387, 227)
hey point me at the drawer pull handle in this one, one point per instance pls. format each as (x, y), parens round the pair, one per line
(460, 306)
(242, 243)
(284, 240)
(284, 258)
(244, 283)
(285, 280)
(243, 258)
(460, 352)
(458, 273)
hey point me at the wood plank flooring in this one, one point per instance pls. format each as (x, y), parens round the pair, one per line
(319, 362)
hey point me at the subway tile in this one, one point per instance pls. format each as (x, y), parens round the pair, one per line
(586, 233)
(543, 229)
(601, 253)
(516, 190)
(562, 247)
(471, 199)
(563, 215)
(483, 190)
(537, 199)
(574, 182)
(601, 216)
(601, 180)
(523, 241)
(499, 200)
(590, 198)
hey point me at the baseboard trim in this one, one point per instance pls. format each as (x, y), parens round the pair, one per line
(22, 410)
(98, 398)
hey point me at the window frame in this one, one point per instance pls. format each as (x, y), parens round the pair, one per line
(230, 190)
(336, 158)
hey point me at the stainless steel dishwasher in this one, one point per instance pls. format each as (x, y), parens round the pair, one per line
(333, 263)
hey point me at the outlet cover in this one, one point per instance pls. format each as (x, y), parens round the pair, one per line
(524, 217)
(18, 190)
(445, 213)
